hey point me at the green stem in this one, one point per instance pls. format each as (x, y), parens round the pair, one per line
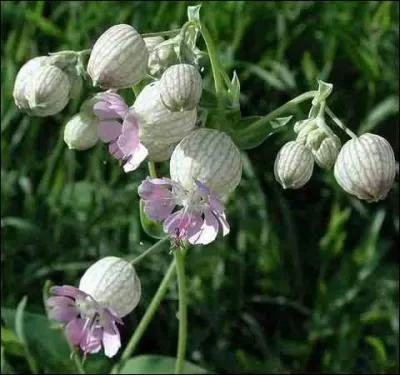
(152, 169)
(156, 246)
(76, 359)
(340, 123)
(213, 59)
(180, 271)
(147, 317)
(162, 33)
(280, 110)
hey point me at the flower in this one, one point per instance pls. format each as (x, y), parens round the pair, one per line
(198, 220)
(108, 290)
(123, 139)
(205, 168)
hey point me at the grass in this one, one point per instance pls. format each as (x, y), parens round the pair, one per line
(307, 280)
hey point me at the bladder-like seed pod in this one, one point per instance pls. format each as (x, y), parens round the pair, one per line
(22, 78)
(47, 91)
(365, 167)
(294, 165)
(113, 283)
(208, 156)
(159, 128)
(180, 87)
(118, 58)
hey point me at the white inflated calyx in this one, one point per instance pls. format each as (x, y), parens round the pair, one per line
(113, 283)
(159, 128)
(41, 89)
(209, 156)
(294, 165)
(366, 167)
(180, 87)
(118, 58)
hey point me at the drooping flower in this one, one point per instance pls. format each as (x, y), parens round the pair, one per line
(122, 137)
(108, 290)
(205, 167)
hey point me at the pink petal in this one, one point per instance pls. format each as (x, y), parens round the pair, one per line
(111, 343)
(128, 141)
(62, 309)
(91, 340)
(207, 232)
(136, 158)
(109, 130)
(103, 111)
(67, 291)
(74, 330)
(115, 151)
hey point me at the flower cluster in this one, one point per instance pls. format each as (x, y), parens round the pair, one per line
(163, 125)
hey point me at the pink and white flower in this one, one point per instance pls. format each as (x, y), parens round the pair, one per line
(194, 215)
(87, 324)
(122, 137)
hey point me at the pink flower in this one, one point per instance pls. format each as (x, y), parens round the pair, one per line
(87, 324)
(123, 139)
(195, 216)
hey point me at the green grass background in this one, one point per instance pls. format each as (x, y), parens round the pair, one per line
(307, 280)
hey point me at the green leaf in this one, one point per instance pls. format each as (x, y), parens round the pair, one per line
(324, 90)
(5, 366)
(48, 346)
(253, 131)
(193, 12)
(152, 228)
(158, 364)
(379, 349)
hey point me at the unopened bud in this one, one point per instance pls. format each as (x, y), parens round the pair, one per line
(209, 156)
(180, 87)
(161, 54)
(113, 283)
(118, 58)
(365, 167)
(47, 91)
(81, 131)
(22, 78)
(294, 165)
(326, 153)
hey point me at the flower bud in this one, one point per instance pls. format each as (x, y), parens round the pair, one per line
(180, 87)
(326, 153)
(159, 128)
(118, 58)
(365, 167)
(209, 156)
(113, 283)
(47, 91)
(294, 165)
(22, 78)
(81, 131)
(161, 54)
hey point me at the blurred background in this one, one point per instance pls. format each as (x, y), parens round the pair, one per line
(307, 280)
